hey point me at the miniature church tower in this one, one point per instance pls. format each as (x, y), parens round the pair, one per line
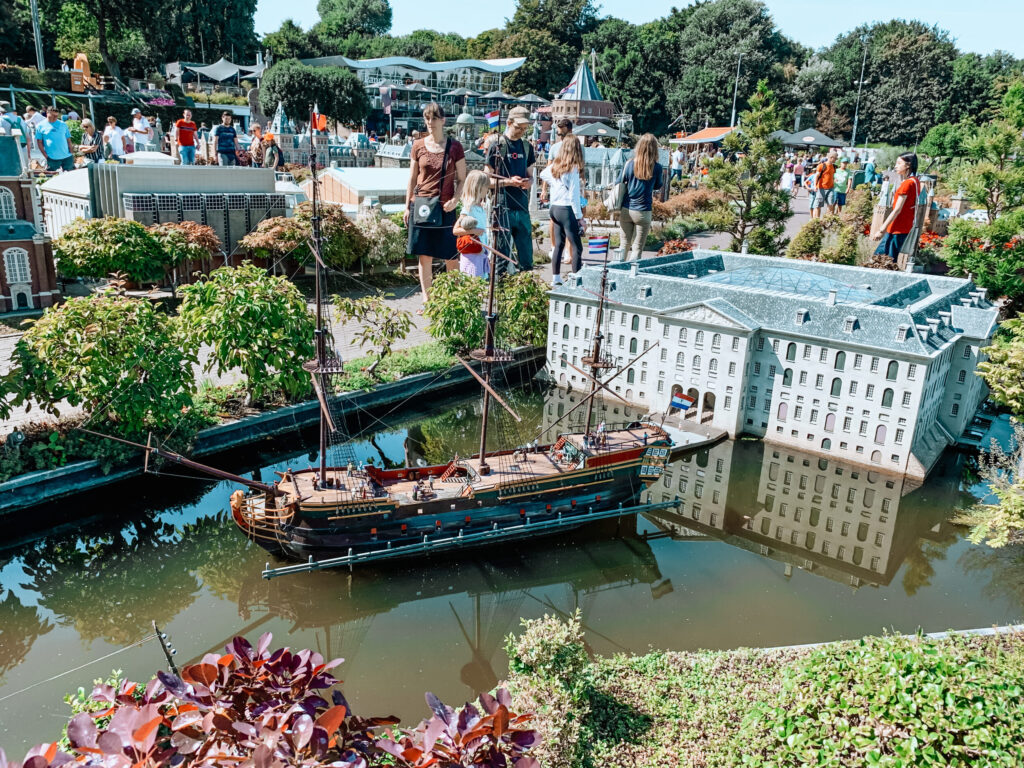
(581, 100)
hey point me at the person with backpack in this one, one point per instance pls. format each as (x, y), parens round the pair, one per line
(271, 152)
(511, 159)
(901, 220)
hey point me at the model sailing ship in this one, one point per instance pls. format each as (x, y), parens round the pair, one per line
(337, 508)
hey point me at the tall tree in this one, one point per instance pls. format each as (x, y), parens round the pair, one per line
(363, 17)
(289, 41)
(338, 92)
(549, 63)
(567, 21)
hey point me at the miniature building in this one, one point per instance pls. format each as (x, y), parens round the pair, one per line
(231, 200)
(871, 366)
(28, 279)
(348, 187)
(581, 100)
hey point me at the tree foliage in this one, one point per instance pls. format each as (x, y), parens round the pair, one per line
(257, 323)
(118, 358)
(289, 41)
(339, 93)
(1003, 366)
(752, 207)
(283, 237)
(96, 248)
(1002, 522)
(378, 324)
(992, 254)
(360, 17)
(455, 311)
(523, 308)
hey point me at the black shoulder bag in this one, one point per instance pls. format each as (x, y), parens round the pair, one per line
(428, 211)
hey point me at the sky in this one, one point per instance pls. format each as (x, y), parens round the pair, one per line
(981, 26)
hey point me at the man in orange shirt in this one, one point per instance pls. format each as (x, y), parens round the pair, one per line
(900, 221)
(825, 187)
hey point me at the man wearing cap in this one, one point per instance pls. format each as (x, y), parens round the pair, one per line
(140, 131)
(511, 160)
(54, 141)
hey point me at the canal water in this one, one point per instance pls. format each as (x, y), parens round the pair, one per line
(770, 547)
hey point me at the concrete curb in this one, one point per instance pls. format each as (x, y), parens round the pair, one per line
(34, 488)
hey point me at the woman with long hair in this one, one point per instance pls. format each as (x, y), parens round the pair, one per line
(901, 220)
(563, 180)
(642, 174)
(437, 172)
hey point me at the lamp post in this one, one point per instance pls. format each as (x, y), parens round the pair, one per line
(735, 91)
(860, 86)
(40, 65)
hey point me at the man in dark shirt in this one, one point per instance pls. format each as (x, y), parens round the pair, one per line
(227, 140)
(511, 159)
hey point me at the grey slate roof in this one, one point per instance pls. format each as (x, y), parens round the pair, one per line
(903, 299)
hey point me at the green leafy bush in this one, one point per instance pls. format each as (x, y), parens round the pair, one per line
(828, 239)
(96, 248)
(279, 237)
(407, 362)
(30, 77)
(523, 310)
(455, 311)
(255, 322)
(385, 241)
(895, 701)
(993, 254)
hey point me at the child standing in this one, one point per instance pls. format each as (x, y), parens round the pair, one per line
(788, 180)
(469, 229)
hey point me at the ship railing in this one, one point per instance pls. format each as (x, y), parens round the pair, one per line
(261, 522)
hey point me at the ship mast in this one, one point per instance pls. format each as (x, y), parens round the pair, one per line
(486, 355)
(320, 335)
(594, 360)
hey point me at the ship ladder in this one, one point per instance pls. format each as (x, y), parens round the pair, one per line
(561, 442)
(450, 470)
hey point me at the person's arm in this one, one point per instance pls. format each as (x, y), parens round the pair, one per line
(39, 143)
(460, 180)
(414, 172)
(71, 146)
(574, 192)
(658, 173)
(897, 206)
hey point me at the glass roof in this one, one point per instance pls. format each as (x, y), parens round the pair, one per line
(793, 281)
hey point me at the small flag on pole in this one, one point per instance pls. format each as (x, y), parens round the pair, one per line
(493, 118)
(598, 245)
(319, 121)
(569, 89)
(682, 402)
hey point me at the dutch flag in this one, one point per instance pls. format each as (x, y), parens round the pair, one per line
(493, 118)
(598, 245)
(682, 402)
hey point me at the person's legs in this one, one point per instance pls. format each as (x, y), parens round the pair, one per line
(451, 265)
(575, 242)
(188, 155)
(227, 158)
(522, 233)
(626, 230)
(560, 225)
(426, 274)
(642, 222)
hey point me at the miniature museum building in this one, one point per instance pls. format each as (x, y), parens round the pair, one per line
(871, 366)
(28, 279)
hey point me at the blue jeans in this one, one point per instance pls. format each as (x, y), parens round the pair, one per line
(227, 158)
(677, 173)
(520, 233)
(187, 155)
(891, 245)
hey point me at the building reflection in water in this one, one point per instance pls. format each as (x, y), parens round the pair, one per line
(826, 517)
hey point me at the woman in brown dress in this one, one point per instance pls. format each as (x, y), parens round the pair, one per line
(429, 243)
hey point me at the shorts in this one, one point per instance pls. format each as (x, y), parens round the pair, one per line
(823, 197)
(227, 158)
(892, 244)
(840, 199)
(64, 164)
(799, 179)
(436, 242)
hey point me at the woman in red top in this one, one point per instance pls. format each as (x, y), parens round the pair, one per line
(900, 221)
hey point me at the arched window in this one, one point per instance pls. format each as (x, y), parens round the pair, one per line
(840, 361)
(696, 363)
(783, 411)
(887, 398)
(635, 323)
(632, 346)
(837, 387)
(826, 444)
(682, 335)
(713, 365)
(787, 377)
(630, 376)
(568, 309)
(791, 351)
(716, 341)
(892, 371)
(700, 338)
(876, 457)
(565, 331)
(16, 266)
(680, 360)
(7, 209)
(880, 434)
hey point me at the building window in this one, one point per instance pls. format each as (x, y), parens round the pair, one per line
(967, 352)
(696, 363)
(911, 371)
(732, 369)
(906, 399)
(807, 351)
(791, 351)
(887, 398)
(16, 265)
(840, 361)
(664, 331)
(899, 436)
(643, 376)
(728, 402)
(630, 376)
(847, 423)
(775, 345)
(874, 365)
(961, 377)
(647, 324)
(751, 401)
(863, 430)
(880, 434)
(823, 355)
(892, 371)
(632, 346)
(757, 369)
(713, 365)
(798, 412)
(787, 377)
(783, 411)
(664, 354)
(680, 361)
(830, 422)
(849, 324)
(716, 341)
(735, 343)
(661, 386)
(760, 344)
(767, 406)
(699, 339)
(955, 409)
(858, 361)
(826, 444)
(853, 387)
(7, 208)
(634, 324)
(565, 333)
(682, 335)
(837, 387)
(870, 392)
(819, 381)
(803, 377)
(814, 417)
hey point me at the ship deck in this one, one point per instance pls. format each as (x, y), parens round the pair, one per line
(507, 467)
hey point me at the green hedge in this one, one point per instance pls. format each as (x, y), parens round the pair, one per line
(25, 77)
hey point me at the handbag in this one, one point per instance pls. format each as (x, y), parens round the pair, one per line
(428, 211)
(616, 193)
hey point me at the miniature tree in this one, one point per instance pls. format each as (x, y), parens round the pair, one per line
(380, 325)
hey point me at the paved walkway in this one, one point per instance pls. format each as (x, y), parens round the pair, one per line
(406, 297)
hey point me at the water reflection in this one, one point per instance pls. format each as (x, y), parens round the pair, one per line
(20, 626)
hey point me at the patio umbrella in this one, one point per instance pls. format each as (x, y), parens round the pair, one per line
(461, 92)
(532, 98)
(418, 88)
(500, 95)
(596, 129)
